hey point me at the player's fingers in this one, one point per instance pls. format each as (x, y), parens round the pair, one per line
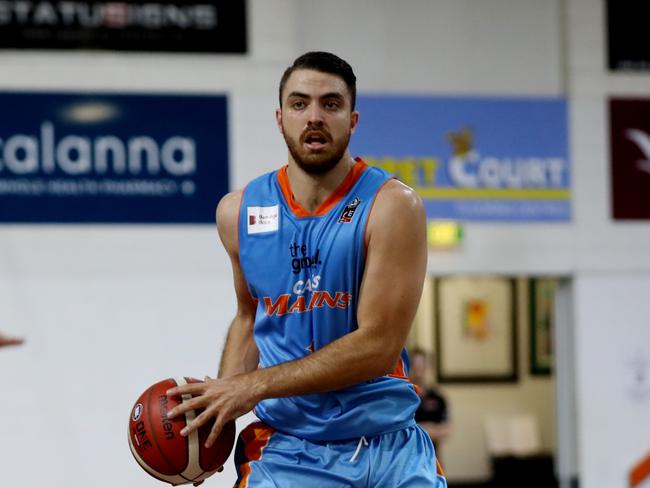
(214, 433)
(191, 388)
(197, 422)
(186, 406)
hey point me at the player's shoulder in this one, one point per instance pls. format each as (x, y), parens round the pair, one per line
(228, 207)
(227, 216)
(395, 197)
(398, 213)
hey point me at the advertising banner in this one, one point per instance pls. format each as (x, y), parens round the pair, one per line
(630, 157)
(216, 26)
(627, 35)
(109, 158)
(472, 158)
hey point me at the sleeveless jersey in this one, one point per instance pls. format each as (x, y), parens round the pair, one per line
(305, 272)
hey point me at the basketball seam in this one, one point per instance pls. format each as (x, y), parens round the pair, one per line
(193, 469)
(155, 438)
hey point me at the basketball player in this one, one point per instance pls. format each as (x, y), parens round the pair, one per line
(328, 258)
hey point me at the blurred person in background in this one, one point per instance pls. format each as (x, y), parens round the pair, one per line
(432, 414)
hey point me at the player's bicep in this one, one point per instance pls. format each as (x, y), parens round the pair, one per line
(395, 266)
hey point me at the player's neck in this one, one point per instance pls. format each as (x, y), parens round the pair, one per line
(311, 190)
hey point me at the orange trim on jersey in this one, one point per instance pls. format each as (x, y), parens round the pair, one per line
(640, 472)
(400, 373)
(400, 370)
(342, 190)
(256, 437)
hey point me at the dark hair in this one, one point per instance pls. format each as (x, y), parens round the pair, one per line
(417, 351)
(325, 63)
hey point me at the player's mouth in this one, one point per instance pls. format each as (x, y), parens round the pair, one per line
(315, 141)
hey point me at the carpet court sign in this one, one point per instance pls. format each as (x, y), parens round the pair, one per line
(473, 158)
(68, 158)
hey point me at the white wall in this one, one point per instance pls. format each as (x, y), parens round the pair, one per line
(614, 403)
(108, 310)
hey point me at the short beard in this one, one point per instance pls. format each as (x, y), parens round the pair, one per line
(317, 163)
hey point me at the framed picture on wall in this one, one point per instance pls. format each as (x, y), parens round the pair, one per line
(476, 338)
(542, 304)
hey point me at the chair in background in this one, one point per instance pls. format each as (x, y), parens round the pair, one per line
(516, 455)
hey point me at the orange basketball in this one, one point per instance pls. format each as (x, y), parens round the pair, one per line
(159, 448)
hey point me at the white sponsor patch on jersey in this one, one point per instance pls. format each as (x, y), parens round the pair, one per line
(263, 219)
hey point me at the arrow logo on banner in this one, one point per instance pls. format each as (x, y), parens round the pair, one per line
(642, 140)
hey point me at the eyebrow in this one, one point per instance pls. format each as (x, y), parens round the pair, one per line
(326, 95)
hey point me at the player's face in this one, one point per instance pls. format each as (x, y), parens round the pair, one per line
(316, 119)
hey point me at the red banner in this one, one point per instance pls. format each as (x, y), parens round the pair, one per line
(630, 158)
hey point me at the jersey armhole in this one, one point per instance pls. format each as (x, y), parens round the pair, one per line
(372, 206)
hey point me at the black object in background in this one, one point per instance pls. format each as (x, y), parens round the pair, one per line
(627, 35)
(205, 26)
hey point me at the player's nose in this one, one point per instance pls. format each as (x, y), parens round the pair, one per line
(314, 114)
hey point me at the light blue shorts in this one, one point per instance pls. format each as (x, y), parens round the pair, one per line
(405, 458)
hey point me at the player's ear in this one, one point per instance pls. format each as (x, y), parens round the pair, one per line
(278, 119)
(354, 120)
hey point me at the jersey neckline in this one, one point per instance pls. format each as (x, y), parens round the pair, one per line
(329, 203)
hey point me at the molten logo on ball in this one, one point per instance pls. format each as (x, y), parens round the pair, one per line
(166, 424)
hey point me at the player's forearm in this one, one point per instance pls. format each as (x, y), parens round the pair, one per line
(352, 359)
(240, 354)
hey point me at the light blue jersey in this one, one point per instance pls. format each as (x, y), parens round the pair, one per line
(305, 271)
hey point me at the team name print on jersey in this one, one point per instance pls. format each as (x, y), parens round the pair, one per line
(306, 298)
(288, 303)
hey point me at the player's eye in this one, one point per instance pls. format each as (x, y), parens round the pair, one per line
(298, 104)
(332, 104)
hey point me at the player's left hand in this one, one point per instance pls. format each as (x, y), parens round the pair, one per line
(224, 399)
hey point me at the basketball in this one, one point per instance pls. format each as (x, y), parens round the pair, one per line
(159, 448)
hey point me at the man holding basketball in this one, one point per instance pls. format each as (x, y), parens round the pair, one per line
(328, 257)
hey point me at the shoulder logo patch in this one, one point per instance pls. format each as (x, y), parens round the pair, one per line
(263, 219)
(348, 211)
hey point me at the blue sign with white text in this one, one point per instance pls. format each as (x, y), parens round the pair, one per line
(472, 158)
(112, 158)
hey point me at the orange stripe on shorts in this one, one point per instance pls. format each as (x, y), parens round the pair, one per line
(439, 469)
(256, 437)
